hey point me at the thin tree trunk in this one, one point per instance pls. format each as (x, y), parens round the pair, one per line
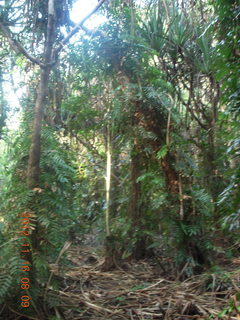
(108, 180)
(171, 175)
(110, 248)
(134, 205)
(137, 205)
(35, 149)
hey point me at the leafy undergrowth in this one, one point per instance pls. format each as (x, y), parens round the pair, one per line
(136, 291)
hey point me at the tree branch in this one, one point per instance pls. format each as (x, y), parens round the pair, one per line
(95, 32)
(16, 46)
(75, 30)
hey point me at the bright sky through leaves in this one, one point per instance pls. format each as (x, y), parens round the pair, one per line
(81, 8)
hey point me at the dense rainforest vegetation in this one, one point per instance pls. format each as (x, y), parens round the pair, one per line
(128, 142)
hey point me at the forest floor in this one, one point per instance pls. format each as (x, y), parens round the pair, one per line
(139, 292)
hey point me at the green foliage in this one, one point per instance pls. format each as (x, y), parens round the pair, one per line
(153, 29)
(228, 203)
(227, 63)
(202, 201)
(162, 152)
(51, 209)
(137, 77)
(9, 273)
(120, 299)
(232, 307)
(147, 76)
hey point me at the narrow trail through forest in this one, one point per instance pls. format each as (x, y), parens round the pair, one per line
(138, 291)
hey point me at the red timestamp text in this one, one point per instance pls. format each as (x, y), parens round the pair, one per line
(25, 268)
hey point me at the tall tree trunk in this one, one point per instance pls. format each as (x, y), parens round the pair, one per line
(33, 173)
(35, 149)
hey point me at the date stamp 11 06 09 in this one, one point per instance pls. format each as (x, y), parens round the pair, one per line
(25, 265)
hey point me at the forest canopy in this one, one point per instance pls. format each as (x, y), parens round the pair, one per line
(125, 136)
